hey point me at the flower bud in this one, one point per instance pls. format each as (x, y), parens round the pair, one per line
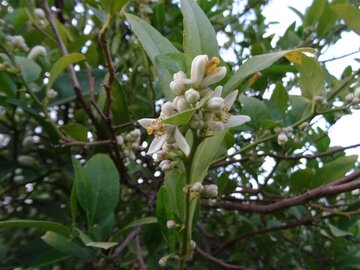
(163, 261)
(28, 143)
(18, 171)
(282, 139)
(181, 104)
(215, 125)
(197, 187)
(179, 75)
(18, 178)
(198, 66)
(357, 92)
(136, 133)
(166, 165)
(39, 12)
(168, 108)
(349, 97)
(212, 202)
(355, 100)
(211, 191)
(192, 244)
(204, 91)
(215, 104)
(192, 96)
(51, 93)
(26, 160)
(171, 224)
(119, 139)
(160, 155)
(177, 87)
(17, 42)
(36, 51)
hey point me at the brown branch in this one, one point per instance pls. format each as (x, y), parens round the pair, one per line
(343, 184)
(220, 262)
(139, 257)
(124, 244)
(69, 143)
(256, 232)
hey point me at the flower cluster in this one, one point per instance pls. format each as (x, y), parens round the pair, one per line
(284, 134)
(17, 42)
(211, 110)
(130, 143)
(354, 98)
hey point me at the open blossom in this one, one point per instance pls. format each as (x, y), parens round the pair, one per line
(164, 133)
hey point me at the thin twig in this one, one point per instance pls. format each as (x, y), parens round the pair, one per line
(80, 143)
(220, 262)
(124, 244)
(139, 257)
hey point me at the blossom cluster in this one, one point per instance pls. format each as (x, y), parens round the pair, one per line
(211, 110)
(354, 98)
(129, 142)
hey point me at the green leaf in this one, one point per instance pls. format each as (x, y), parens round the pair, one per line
(255, 64)
(166, 65)
(174, 183)
(37, 224)
(61, 64)
(300, 108)
(334, 169)
(152, 41)
(140, 221)
(314, 12)
(302, 180)
(280, 98)
(311, 77)
(30, 71)
(225, 185)
(49, 258)
(76, 131)
(163, 214)
(205, 155)
(90, 243)
(351, 15)
(199, 35)
(254, 108)
(65, 245)
(73, 205)
(8, 86)
(103, 186)
(335, 231)
(119, 105)
(182, 118)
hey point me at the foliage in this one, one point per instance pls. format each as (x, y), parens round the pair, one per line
(78, 189)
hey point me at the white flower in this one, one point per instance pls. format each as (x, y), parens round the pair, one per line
(205, 72)
(178, 84)
(119, 139)
(224, 116)
(164, 133)
(17, 42)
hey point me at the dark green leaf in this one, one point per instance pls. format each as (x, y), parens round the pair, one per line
(37, 224)
(75, 131)
(254, 108)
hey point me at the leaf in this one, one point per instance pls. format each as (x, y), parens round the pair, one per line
(350, 14)
(61, 64)
(300, 108)
(163, 214)
(103, 180)
(205, 155)
(37, 224)
(182, 118)
(280, 98)
(119, 105)
(140, 221)
(335, 231)
(311, 77)
(314, 12)
(255, 64)
(174, 183)
(30, 71)
(334, 169)
(153, 42)
(199, 35)
(90, 243)
(76, 131)
(61, 243)
(166, 65)
(226, 186)
(254, 108)
(49, 258)
(97, 185)
(301, 180)
(8, 86)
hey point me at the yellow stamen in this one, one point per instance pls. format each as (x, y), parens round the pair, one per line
(156, 127)
(211, 65)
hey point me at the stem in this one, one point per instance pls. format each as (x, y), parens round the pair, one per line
(184, 246)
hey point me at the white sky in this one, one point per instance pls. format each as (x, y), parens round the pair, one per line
(345, 131)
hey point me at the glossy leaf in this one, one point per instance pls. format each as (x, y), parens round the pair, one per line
(75, 131)
(199, 35)
(37, 224)
(65, 245)
(182, 118)
(61, 64)
(254, 64)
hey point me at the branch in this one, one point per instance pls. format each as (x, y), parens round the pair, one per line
(124, 244)
(139, 257)
(64, 143)
(339, 57)
(220, 262)
(343, 184)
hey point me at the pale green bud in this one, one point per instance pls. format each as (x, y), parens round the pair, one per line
(197, 187)
(192, 96)
(211, 190)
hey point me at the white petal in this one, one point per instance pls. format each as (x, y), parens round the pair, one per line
(217, 92)
(230, 99)
(156, 144)
(198, 69)
(181, 142)
(145, 122)
(215, 77)
(237, 120)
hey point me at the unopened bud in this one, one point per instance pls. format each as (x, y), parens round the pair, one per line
(52, 93)
(192, 244)
(282, 139)
(166, 165)
(181, 104)
(178, 87)
(18, 178)
(355, 100)
(215, 104)
(39, 12)
(211, 191)
(136, 133)
(215, 125)
(119, 139)
(28, 143)
(192, 96)
(160, 155)
(171, 224)
(197, 187)
(163, 261)
(26, 160)
(168, 108)
(349, 97)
